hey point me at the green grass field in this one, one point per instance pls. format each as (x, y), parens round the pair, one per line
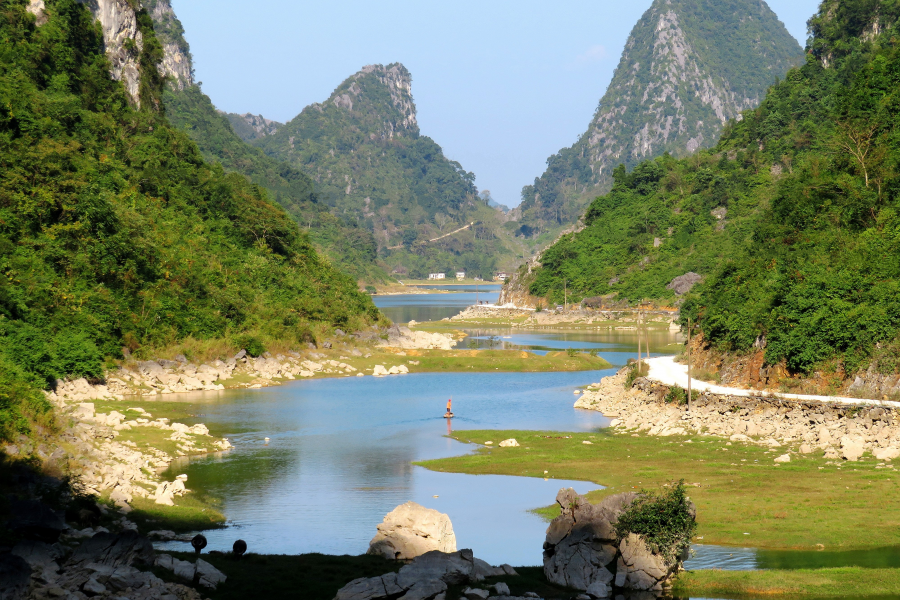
(742, 498)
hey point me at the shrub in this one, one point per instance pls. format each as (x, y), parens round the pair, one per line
(667, 522)
(539, 307)
(571, 352)
(370, 289)
(253, 345)
(636, 370)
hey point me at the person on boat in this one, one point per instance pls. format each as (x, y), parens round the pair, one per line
(449, 408)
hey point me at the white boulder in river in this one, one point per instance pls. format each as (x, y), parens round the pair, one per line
(411, 530)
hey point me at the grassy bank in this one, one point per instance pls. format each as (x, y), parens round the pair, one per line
(743, 498)
(518, 361)
(848, 582)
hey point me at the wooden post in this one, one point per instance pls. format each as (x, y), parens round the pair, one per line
(689, 364)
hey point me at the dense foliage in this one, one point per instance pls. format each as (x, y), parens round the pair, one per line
(667, 521)
(350, 247)
(113, 230)
(792, 218)
(658, 103)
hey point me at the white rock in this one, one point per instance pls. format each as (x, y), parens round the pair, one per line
(784, 458)
(510, 443)
(886, 453)
(411, 530)
(379, 371)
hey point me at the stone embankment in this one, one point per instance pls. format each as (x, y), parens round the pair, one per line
(785, 426)
(151, 377)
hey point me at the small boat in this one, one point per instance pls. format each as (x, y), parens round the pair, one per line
(448, 415)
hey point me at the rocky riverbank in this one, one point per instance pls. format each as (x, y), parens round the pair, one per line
(786, 427)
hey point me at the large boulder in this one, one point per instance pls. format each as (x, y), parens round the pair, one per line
(682, 284)
(582, 550)
(411, 530)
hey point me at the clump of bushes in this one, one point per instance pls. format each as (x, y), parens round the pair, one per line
(635, 370)
(678, 395)
(252, 344)
(667, 521)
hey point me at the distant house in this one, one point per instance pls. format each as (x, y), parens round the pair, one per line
(501, 276)
(437, 276)
(460, 275)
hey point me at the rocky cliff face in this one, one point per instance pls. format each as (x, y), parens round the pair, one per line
(124, 40)
(120, 25)
(687, 68)
(177, 64)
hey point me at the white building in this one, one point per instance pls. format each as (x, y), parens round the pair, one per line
(437, 276)
(501, 277)
(460, 275)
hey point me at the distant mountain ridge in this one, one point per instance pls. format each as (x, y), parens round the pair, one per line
(688, 67)
(252, 127)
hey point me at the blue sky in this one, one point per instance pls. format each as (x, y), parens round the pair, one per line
(500, 85)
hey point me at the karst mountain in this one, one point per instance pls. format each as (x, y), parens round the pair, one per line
(689, 66)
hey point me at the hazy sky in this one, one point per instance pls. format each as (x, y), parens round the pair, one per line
(499, 84)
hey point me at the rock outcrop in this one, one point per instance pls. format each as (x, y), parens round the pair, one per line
(124, 41)
(411, 530)
(427, 578)
(582, 551)
(177, 65)
(407, 339)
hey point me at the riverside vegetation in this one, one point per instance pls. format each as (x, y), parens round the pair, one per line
(791, 220)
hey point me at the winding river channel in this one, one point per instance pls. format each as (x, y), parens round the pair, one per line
(317, 464)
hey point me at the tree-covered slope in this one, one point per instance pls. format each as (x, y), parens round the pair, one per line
(372, 165)
(793, 219)
(115, 233)
(350, 247)
(688, 67)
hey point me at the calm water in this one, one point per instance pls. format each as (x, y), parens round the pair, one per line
(433, 307)
(340, 452)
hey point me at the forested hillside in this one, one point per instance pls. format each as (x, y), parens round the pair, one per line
(373, 167)
(793, 219)
(688, 67)
(114, 232)
(350, 247)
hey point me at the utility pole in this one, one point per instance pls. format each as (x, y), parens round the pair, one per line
(639, 341)
(476, 292)
(565, 294)
(689, 364)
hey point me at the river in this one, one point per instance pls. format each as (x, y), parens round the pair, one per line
(339, 452)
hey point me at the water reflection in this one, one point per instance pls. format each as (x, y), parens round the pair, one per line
(431, 307)
(340, 453)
